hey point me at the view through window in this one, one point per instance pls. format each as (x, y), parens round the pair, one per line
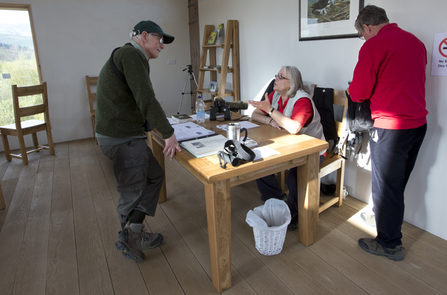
(17, 60)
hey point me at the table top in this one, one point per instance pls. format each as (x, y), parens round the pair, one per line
(291, 147)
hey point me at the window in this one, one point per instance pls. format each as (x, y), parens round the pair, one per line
(18, 57)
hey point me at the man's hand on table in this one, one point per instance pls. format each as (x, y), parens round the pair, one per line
(171, 145)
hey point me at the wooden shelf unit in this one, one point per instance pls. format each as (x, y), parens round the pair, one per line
(230, 46)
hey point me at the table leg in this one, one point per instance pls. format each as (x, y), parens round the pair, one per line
(218, 209)
(157, 151)
(308, 199)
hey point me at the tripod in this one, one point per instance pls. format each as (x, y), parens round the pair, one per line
(190, 77)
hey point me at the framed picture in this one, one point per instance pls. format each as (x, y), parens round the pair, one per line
(328, 19)
(213, 87)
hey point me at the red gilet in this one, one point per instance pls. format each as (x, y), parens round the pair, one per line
(391, 73)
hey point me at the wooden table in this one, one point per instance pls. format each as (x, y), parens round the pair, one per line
(299, 151)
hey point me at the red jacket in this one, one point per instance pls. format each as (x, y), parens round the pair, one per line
(391, 73)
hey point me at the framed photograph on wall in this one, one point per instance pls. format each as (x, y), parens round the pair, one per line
(328, 19)
(212, 87)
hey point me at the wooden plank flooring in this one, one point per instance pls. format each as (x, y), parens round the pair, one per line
(60, 224)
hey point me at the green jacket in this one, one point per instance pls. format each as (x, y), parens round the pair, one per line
(121, 108)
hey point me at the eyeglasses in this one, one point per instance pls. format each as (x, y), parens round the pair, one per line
(158, 36)
(280, 77)
(361, 37)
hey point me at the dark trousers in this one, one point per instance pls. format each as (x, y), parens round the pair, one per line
(270, 188)
(139, 178)
(393, 156)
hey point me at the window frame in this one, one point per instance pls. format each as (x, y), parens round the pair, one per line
(27, 7)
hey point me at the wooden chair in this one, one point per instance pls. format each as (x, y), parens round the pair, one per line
(20, 129)
(91, 85)
(333, 161)
(2, 200)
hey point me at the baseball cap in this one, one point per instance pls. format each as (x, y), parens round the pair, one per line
(151, 27)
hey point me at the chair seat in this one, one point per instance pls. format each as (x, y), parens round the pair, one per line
(24, 124)
(331, 163)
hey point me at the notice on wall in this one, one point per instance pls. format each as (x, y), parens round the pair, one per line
(439, 60)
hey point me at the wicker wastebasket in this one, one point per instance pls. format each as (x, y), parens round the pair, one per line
(269, 223)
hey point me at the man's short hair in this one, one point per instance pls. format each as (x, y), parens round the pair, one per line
(370, 15)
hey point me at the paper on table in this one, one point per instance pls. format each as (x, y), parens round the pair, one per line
(264, 152)
(243, 124)
(189, 130)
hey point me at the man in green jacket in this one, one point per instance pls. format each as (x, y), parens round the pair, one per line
(125, 101)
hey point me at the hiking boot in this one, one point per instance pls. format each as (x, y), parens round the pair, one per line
(150, 240)
(373, 247)
(293, 225)
(129, 241)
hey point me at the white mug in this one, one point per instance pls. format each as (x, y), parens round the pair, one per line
(234, 131)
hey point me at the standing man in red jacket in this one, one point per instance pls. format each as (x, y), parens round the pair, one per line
(390, 73)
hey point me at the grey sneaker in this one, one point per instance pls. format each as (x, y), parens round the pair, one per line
(368, 218)
(150, 240)
(129, 241)
(373, 247)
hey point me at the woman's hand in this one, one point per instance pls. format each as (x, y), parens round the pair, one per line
(263, 105)
(275, 124)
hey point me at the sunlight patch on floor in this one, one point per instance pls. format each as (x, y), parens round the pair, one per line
(357, 221)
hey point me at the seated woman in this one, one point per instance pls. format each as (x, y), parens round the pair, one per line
(289, 107)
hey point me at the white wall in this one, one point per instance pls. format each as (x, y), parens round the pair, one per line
(269, 39)
(75, 38)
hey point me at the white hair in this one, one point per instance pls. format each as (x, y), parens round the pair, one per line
(133, 35)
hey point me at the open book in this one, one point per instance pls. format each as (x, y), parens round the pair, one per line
(186, 131)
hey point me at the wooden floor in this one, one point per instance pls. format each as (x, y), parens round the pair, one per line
(60, 223)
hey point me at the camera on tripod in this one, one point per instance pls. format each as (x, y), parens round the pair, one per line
(222, 106)
(189, 68)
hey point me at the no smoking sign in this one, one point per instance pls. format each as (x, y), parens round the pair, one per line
(443, 47)
(439, 59)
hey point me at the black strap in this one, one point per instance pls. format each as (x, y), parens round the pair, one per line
(235, 153)
(243, 152)
(114, 68)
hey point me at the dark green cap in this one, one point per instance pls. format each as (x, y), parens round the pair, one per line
(151, 27)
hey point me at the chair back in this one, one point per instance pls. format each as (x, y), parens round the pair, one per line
(340, 100)
(26, 111)
(91, 90)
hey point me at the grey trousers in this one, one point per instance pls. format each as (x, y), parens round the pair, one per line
(138, 175)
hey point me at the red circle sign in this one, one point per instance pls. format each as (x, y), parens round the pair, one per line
(443, 47)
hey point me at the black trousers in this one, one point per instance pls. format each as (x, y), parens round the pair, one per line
(393, 156)
(270, 188)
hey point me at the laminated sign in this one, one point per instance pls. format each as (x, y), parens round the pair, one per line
(439, 60)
